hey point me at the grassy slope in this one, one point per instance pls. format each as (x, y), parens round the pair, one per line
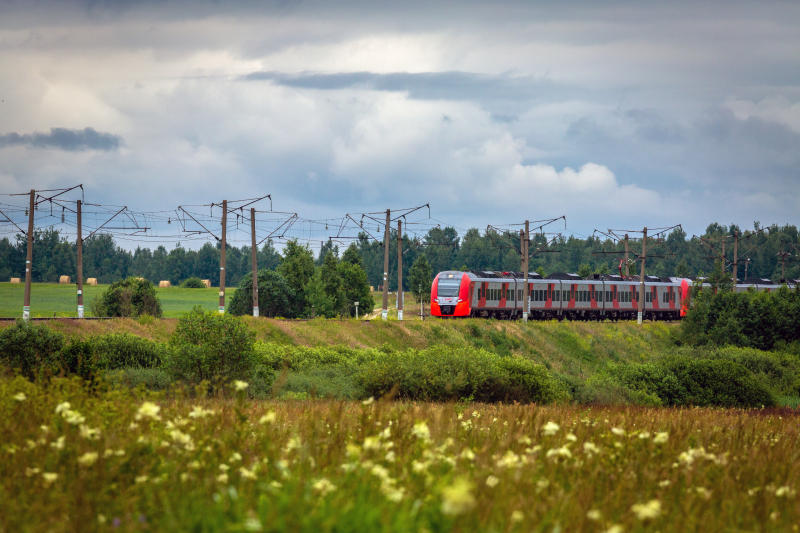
(565, 347)
(52, 299)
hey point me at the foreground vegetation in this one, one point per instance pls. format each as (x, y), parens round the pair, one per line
(477, 360)
(76, 457)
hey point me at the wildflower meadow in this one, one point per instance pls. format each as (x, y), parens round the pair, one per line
(78, 456)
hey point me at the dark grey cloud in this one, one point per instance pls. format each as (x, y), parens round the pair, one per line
(64, 139)
(447, 85)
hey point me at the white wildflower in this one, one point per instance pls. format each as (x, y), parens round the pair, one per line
(550, 428)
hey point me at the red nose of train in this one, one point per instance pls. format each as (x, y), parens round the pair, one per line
(450, 294)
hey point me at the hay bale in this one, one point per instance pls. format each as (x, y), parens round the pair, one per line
(91, 281)
(207, 283)
(64, 280)
(164, 283)
(16, 280)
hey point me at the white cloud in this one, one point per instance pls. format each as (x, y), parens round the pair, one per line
(772, 109)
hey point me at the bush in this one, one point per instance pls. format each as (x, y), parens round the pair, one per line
(438, 374)
(211, 346)
(274, 295)
(193, 283)
(30, 350)
(149, 378)
(120, 350)
(130, 297)
(79, 358)
(683, 380)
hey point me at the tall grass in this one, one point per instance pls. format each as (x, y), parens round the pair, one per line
(128, 461)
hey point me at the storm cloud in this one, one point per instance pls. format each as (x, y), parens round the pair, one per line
(614, 113)
(64, 139)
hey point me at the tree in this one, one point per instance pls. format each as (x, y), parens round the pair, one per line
(355, 288)
(297, 268)
(420, 277)
(130, 297)
(332, 282)
(274, 295)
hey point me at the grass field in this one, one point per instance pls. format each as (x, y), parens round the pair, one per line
(52, 299)
(78, 460)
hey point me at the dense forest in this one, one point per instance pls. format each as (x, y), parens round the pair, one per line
(675, 254)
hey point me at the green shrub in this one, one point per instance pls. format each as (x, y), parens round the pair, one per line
(80, 358)
(130, 297)
(274, 295)
(193, 283)
(684, 380)
(120, 350)
(30, 350)
(211, 346)
(439, 374)
(149, 378)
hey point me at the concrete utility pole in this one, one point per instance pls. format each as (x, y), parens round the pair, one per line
(79, 244)
(627, 272)
(735, 260)
(222, 257)
(399, 270)
(26, 304)
(641, 277)
(255, 259)
(385, 311)
(526, 301)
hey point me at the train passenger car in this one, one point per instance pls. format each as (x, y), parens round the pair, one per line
(561, 295)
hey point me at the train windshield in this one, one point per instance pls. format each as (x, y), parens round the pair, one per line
(448, 288)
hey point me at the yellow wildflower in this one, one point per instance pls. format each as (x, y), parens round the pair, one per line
(87, 459)
(49, 477)
(421, 431)
(550, 428)
(89, 433)
(517, 516)
(268, 418)
(240, 385)
(647, 511)
(457, 498)
(247, 474)
(661, 437)
(20, 397)
(594, 514)
(148, 410)
(492, 481)
(323, 486)
(222, 478)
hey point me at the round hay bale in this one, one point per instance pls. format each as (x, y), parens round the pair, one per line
(91, 281)
(16, 280)
(64, 280)
(207, 283)
(164, 283)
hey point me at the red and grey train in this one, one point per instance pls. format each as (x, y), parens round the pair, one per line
(500, 295)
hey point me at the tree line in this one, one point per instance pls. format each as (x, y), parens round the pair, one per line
(674, 254)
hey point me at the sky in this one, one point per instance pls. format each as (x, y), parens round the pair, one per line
(614, 114)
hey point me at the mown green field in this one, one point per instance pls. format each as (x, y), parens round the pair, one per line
(52, 299)
(80, 459)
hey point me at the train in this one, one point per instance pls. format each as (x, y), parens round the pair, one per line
(488, 294)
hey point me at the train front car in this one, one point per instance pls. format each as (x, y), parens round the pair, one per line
(450, 294)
